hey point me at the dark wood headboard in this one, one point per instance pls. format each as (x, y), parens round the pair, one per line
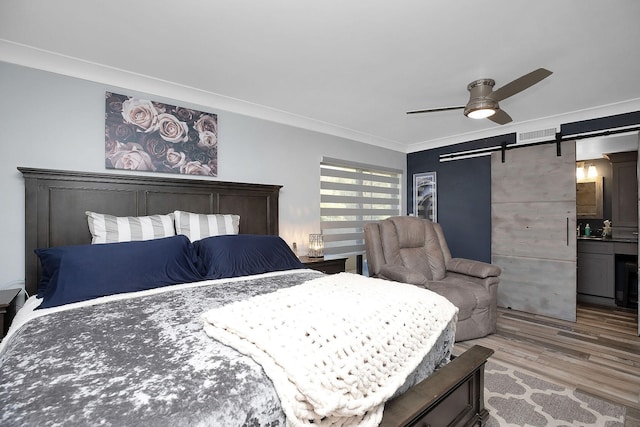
(56, 201)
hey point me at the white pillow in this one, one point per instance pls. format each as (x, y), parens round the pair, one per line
(113, 229)
(198, 226)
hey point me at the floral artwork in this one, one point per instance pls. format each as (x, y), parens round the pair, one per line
(145, 135)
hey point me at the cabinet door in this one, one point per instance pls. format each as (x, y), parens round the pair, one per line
(596, 274)
(533, 238)
(625, 196)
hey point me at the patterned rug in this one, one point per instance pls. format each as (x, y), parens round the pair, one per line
(514, 398)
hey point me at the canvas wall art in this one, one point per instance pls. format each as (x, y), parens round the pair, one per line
(144, 135)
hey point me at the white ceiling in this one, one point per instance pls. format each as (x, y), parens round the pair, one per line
(348, 67)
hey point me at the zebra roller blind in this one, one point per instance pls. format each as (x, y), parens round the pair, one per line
(352, 194)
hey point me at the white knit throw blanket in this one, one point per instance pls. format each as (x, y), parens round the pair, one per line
(338, 347)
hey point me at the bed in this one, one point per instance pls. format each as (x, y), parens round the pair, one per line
(142, 356)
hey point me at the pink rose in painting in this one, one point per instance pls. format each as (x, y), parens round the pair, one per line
(175, 159)
(207, 140)
(195, 168)
(141, 113)
(206, 123)
(172, 129)
(131, 156)
(136, 160)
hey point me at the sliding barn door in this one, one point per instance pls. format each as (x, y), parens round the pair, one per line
(533, 236)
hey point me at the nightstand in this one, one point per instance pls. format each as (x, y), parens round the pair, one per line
(7, 308)
(328, 266)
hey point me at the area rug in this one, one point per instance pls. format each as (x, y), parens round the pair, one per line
(514, 398)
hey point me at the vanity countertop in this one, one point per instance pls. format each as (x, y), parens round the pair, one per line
(609, 239)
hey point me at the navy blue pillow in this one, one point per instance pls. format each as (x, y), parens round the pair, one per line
(243, 254)
(45, 277)
(79, 273)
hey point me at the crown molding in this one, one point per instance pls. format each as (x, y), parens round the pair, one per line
(31, 57)
(40, 59)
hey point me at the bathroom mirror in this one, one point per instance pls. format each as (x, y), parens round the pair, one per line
(589, 198)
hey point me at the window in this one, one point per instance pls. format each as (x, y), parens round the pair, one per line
(351, 195)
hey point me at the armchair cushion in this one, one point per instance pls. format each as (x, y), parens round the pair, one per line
(414, 244)
(400, 273)
(404, 245)
(473, 268)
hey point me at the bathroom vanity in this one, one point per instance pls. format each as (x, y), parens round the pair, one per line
(607, 271)
(608, 267)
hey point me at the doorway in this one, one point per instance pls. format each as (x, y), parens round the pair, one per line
(601, 153)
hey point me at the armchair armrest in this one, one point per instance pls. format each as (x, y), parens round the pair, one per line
(473, 268)
(400, 273)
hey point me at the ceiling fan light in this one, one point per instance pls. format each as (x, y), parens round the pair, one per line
(480, 107)
(482, 113)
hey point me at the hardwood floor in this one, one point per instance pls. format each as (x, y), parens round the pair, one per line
(598, 355)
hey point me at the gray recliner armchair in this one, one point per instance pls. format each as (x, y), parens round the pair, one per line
(414, 250)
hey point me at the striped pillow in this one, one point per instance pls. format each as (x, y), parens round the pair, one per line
(198, 226)
(113, 229)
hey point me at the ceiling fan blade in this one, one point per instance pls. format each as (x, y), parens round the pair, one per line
(435, 110)
(500, 117)
(520, 84)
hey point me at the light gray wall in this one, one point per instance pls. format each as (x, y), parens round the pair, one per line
(57, 122)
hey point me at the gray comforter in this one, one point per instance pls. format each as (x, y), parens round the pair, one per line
(146, 361)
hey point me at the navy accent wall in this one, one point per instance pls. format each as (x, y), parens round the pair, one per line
(464, 195)
(464, 186)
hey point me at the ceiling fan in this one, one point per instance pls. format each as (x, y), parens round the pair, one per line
(483, 100)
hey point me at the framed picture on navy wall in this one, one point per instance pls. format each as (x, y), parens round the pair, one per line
(425, 200)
